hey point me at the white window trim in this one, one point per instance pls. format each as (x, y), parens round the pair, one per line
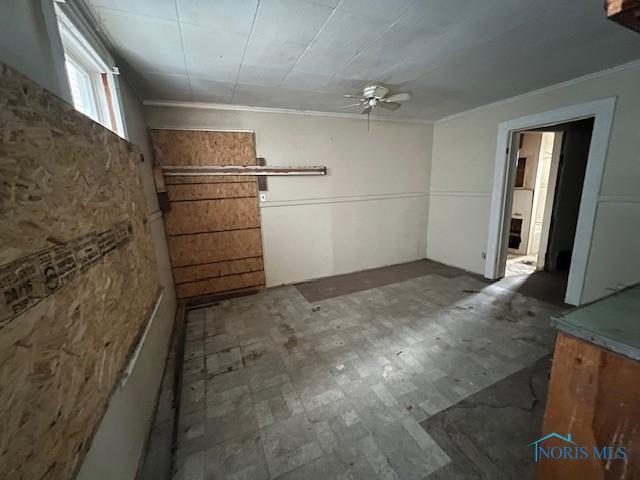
(81, 52)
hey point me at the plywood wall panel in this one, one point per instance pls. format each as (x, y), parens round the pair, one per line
(211, 191)
(213, 222)
(191, 147)
(212, 216)
(229, 283)
(214, 247)
(218, 269)
(65, 177)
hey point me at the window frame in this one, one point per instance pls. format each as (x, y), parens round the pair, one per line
(80, 53)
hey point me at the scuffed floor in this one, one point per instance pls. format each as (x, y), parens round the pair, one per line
(277, 387)
(486, 435)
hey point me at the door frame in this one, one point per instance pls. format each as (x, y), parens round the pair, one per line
(549, 200)
(497, 244)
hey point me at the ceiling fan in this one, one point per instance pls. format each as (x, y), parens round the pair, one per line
(376, 96)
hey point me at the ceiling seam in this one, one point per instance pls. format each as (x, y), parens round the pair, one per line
(184, 51)
(244, 53)
(402, 16)
(306, 49)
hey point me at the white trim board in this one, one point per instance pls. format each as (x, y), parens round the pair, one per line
(452, 193)
(136, 353)
(602, 111)
(289, 111)
(341, 199)
(532, 93)
(200, 129)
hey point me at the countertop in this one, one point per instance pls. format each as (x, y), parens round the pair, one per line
(612, 322)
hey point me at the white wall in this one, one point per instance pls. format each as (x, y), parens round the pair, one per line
(28, 44)
(463, 167)
(369, 211)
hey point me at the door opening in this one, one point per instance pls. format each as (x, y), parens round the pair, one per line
(545, 200)
(600, 113)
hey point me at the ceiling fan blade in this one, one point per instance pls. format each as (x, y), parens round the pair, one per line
(367, 109)
(352, 105)
(376, 91)
(398, 97)
(353, 96)
(390, 105)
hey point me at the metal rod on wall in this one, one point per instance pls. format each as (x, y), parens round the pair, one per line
(214, 170)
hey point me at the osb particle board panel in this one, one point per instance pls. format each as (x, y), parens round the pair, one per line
(213, 222)
(66, 179)
(219, 285)
(594, 395)
(217, 269)
(192, 147)
(202, 248)
(212, 216)
(212, 191)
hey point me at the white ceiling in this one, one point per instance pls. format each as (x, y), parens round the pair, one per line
(450, 55)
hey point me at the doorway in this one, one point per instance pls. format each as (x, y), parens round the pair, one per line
(555, 255)
(546, 195)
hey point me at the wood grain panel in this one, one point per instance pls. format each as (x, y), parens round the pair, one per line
(214, 247)
(64, 178)
(221, 284)
(212, 216)
(211, 191)
(219, 269)
(190, 147)
(594, 395)
(213, 222)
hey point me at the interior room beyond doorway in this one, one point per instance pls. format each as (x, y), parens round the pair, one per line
(546, 194)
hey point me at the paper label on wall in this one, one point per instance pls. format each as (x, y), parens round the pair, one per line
(28, 280)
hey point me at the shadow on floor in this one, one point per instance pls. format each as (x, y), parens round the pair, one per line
(330, 287)
(548, 287)
(486, 435)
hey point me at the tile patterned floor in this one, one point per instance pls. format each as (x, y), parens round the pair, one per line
(487, 434)
(277, 387)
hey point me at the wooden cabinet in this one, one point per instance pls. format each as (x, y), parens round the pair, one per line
(594, 396)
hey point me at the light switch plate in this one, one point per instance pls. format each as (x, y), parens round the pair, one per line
(263, 197)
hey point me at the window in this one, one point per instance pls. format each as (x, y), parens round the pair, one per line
(91, 80)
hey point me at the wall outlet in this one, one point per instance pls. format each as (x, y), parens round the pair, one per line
(263, 197)
(483, 255)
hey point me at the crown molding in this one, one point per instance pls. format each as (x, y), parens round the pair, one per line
(550, 88)
(287, 111)
(532, 93)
